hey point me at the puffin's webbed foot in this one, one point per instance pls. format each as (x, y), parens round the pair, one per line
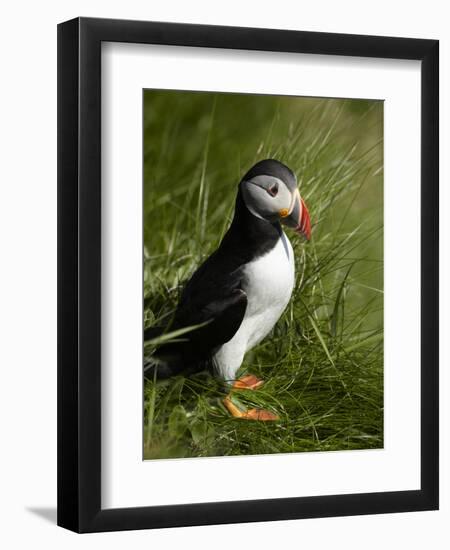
(260, 414)
(248, 382)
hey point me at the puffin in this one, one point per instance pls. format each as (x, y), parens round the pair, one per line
(236, 296)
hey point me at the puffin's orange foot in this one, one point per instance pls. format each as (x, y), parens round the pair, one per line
(248, 382)
(252, 414)
(260, 414)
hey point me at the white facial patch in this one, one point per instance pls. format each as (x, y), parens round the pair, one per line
(265, 196)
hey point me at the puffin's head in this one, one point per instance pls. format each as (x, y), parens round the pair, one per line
(270, 192)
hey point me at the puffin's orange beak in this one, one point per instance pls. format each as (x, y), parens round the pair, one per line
(297, 216)
(304, 227)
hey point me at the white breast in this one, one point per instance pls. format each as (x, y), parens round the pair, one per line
(268, 282)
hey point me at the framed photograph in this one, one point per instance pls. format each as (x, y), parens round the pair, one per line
(247, 275)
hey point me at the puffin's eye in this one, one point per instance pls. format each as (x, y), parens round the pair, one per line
(273, 190)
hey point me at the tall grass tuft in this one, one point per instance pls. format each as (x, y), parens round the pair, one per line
(323, 362)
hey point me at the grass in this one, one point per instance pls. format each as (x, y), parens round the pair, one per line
(323, 362)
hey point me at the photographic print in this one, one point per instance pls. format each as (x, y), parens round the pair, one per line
(263, 274)
(224, 244)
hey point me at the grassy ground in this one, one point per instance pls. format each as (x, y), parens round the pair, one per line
(323, 362)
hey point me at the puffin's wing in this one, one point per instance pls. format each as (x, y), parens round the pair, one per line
(223, 317)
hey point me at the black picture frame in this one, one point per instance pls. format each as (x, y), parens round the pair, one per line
(79, 274)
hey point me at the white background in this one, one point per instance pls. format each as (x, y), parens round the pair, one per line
(126, 479)
(28, 272)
